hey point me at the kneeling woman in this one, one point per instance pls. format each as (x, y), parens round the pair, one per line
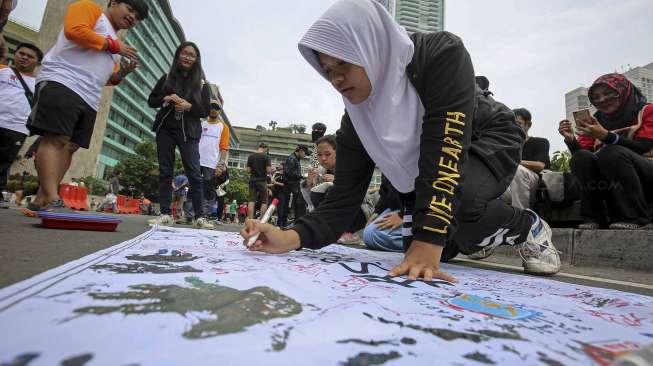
(612, 156)
(409, 106)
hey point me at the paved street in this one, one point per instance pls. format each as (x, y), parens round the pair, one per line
(27, 249)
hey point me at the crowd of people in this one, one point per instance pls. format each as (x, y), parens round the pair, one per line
(460, 170)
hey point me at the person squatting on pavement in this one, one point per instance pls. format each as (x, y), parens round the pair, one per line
(410, 102)
(182, 97)
(85, 58)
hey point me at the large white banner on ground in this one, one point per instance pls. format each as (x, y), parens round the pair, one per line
(190, 297)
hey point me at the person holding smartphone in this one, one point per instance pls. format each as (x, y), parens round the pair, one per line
(183, 99)
(612, 155)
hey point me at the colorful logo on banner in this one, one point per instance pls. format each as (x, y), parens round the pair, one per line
(605, 353)
(478, 304)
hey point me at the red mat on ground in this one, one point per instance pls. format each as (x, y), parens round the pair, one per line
(55, 220)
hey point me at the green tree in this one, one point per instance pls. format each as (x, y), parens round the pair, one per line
(142, 169)
(95, 186)
(238, 187)
(560, 161)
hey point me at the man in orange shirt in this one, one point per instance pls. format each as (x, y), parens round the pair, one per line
(85, 58)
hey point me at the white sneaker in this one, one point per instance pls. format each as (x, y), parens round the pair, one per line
(164, 220)
(202, 223)
(482, 254)
(538, 254)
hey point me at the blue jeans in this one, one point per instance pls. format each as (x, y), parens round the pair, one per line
(387, 240)
(166, 141)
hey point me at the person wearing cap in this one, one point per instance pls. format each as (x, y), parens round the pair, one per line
(214, 146)
(258, 167)
(292, 171)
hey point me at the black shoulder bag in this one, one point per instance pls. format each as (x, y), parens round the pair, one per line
(28, 93)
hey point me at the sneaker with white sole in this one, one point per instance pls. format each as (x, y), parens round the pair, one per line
(538, 254)
(202, 223)
(163, 220)
(482, 254)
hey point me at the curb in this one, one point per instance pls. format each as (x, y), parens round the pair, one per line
(627, 249)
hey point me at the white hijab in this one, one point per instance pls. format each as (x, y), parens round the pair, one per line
(389, 121)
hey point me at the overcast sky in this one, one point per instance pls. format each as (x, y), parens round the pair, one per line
(532, 52)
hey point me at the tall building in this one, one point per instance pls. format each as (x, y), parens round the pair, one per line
(130, 119)
(642, 77)
(389, 5)
(420, 15)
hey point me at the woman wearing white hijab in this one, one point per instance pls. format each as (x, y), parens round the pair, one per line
(410, 102)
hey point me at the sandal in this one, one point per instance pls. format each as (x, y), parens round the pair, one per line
(625, 226)
(589, 226)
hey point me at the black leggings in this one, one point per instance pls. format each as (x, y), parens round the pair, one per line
(617, 176)
(484, 220)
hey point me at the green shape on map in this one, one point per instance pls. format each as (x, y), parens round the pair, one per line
(218, 309)
(159, 268)
(185, 257)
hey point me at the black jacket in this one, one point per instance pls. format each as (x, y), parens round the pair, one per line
(292, 170)
(191, 123)
(442, 72)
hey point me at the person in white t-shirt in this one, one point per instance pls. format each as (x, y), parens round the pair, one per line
(214, 146)
(85, 58)
(6, 7)
(16, 94)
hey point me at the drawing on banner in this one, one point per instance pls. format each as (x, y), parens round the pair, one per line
(218, 309)
(202, 295)
(489, 307)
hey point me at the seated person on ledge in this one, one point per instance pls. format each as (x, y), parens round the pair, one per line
(612, 155)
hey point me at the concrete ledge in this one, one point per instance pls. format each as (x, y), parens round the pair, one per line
(632, 249)
(629, 249)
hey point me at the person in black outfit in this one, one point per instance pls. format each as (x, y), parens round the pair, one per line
(613, 156)
(413, 110)
(182, 97)
(292, 173)
(534, 159)
(258, 167)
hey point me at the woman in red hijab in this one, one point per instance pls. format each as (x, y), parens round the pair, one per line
(613, 155)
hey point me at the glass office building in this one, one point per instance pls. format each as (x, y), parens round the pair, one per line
(130, 118)
(420, 15)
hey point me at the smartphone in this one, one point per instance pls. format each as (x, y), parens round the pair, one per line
(583, 117)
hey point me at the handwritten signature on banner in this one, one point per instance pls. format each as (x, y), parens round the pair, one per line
(481, 305)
